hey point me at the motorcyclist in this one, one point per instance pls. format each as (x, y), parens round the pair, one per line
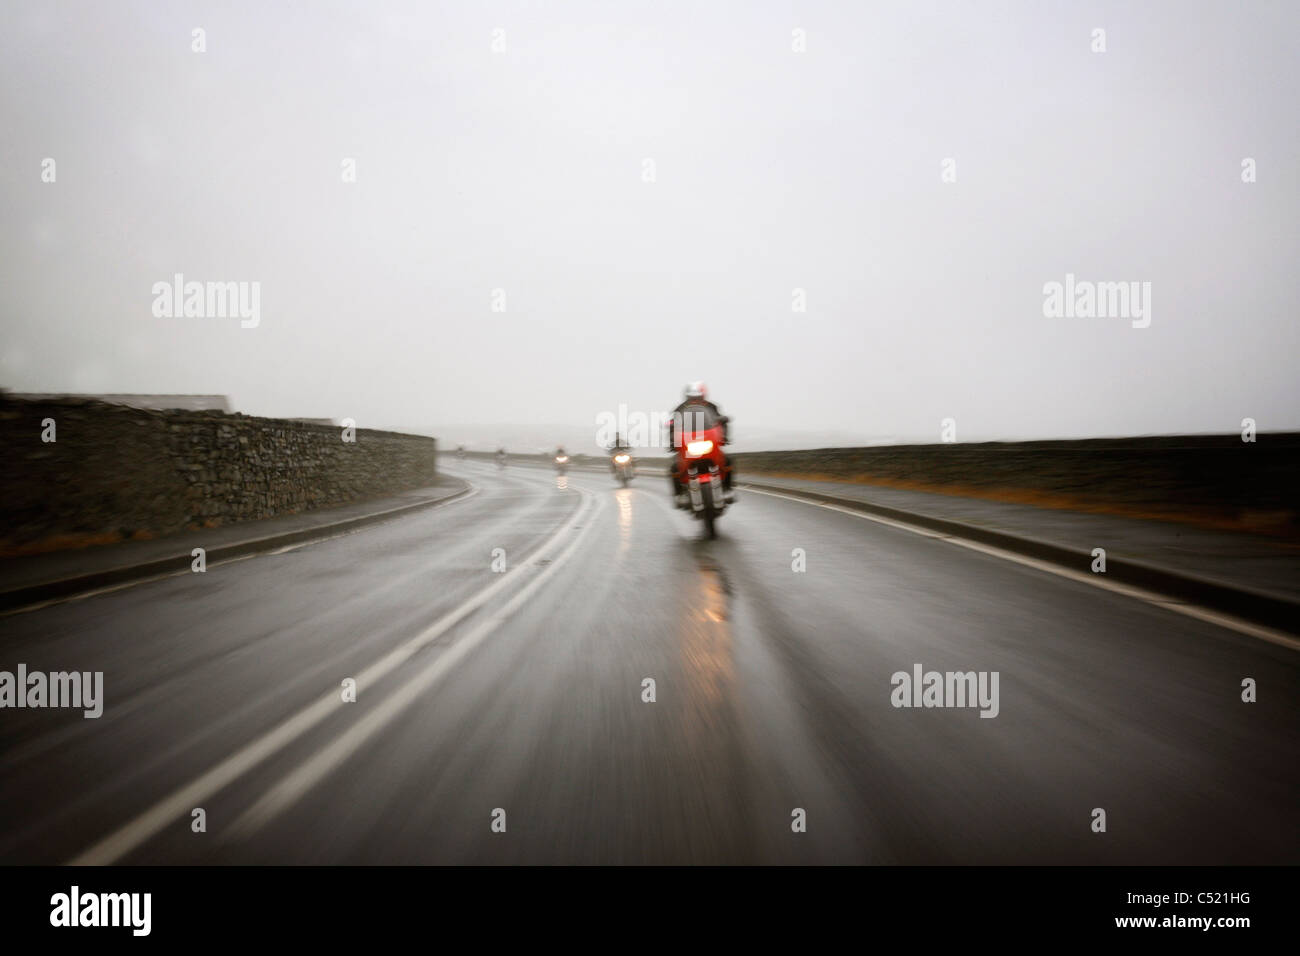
(619, 446)
(696, 394)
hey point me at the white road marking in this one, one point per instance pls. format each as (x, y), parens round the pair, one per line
(309, 773)
(136, 582)
(1209, 615)
(149, 823)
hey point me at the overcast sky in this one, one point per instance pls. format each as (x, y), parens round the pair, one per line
(524, 169)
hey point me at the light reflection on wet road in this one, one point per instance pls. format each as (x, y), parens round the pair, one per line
(772, 693)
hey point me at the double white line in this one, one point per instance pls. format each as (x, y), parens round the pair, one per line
(152, 821)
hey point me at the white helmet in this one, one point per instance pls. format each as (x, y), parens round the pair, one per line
(697, 390)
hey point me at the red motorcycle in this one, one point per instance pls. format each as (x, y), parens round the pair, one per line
(701, 465)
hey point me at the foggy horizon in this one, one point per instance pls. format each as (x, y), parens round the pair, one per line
(778, 175)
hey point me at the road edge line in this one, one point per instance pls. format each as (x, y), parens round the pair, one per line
(1256, 607)
(26, 597)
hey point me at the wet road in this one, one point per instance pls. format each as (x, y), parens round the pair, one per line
(514, 701)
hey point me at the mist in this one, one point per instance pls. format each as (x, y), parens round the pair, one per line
(842, 217)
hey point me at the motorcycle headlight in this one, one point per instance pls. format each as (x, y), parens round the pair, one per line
(562, 459)
(698, 449)
(622, 459)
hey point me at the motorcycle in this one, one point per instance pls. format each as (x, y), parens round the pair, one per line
(703, 467)
(501, 460)
(622, 467)
(561, 464)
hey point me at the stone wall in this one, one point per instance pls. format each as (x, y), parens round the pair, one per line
(116, 472)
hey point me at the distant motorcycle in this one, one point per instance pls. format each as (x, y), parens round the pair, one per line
(703, 468)
(621, 464)
(501, 460)
(562, 463)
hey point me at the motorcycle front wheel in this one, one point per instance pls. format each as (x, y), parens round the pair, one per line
(709, 515)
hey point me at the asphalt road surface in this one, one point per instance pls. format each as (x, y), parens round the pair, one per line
(489, 700)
